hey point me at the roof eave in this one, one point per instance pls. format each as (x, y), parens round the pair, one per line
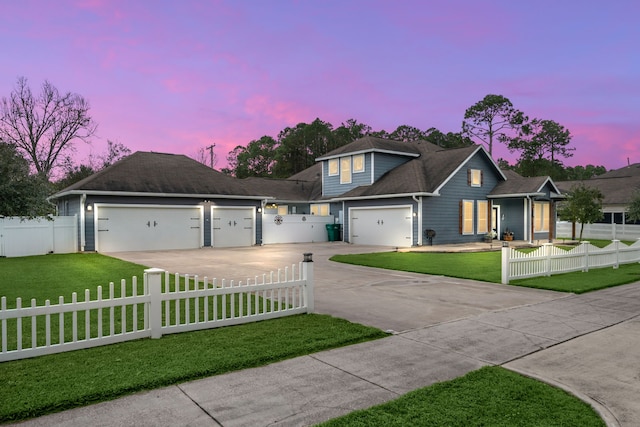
(145, 194)
(381, 196)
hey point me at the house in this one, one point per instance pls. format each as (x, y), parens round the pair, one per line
(619, 187)
(381, 192)
(398, 194)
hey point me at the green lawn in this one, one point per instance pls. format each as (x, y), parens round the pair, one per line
(37, 386)
(491, 396)
(485, 266)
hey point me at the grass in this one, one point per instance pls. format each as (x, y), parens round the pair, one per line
(491, 396)
(486, 266)
(41, 385)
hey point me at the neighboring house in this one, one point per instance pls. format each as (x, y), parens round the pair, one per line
(382, 192)
(619, 187)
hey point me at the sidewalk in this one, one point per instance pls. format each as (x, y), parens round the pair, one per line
(587, 344)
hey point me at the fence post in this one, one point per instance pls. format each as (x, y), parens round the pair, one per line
(307, 274)
(505, 263)
(616, 243)
(154, 281)
(585, 267)
(547, 254)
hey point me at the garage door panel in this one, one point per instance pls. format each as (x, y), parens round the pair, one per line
(389, 226)
(232, 227)
(137, 228)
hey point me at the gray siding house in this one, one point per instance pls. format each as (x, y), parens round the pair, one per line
(381, 192)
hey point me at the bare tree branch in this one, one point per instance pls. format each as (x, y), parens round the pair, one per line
(44, 127)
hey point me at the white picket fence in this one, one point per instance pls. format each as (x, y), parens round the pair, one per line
(38, 236)
(189, 304)
(549, 259)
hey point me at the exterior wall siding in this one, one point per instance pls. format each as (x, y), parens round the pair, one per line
(513, 212)
(441, 213)
(332, 186)
(383, 163)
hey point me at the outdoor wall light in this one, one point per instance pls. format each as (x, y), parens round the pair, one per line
(89, 208)
(259, 210)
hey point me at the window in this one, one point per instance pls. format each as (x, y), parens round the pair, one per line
(320, 209)
(466, 217)
(483, 216)
(358, 163)
(345, 170)
(283, 210)
(541, 214)
(333, 167)
(474, 177)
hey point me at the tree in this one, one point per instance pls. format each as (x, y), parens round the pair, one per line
(449, 140)
(256, 159)
(407, 133)
(299, 147)
(540, 140)
(633, 214)
(43, 127)
(74, 173)
(579, 173)
(21, 194)
(349, 131)
(490, 120)
(583, 205)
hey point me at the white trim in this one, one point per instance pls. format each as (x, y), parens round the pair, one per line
(369, 150)
(167, 195)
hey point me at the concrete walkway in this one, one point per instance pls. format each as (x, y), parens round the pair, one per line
(588, 344)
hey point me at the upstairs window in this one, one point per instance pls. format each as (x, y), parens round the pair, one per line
(474, 177)
(358, 163)
(345, 170)
(333, 167)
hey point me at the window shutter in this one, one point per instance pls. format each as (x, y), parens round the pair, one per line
(469, 177)
(460, 217)
(481, 177)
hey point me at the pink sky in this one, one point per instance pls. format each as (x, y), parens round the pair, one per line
(176, 76)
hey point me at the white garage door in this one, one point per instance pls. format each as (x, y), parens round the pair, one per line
(144, 227)
(388, 226)
(232, 226)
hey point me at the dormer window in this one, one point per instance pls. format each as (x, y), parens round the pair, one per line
(474, 177)
(358, 163)
(345, 170)
(333, 167)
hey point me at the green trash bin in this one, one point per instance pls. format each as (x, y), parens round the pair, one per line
(331, 232)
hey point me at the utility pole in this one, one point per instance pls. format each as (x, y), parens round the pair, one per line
(210, 148)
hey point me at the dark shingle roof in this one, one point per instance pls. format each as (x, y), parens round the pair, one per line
(517, 185)
(371, 143)
(159, 173)
(618, 186)
(424, 174)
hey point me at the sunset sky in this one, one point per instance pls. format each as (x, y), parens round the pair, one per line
(178, 75)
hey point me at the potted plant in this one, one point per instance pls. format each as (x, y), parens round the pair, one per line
(488, 238)
(507, 235)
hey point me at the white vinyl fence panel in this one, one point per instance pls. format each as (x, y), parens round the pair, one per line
(162, 306)
(549, 259)
(599, 231)
(295, 228)
(40, 236)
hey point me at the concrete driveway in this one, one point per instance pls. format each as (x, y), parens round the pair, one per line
(386, 299)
